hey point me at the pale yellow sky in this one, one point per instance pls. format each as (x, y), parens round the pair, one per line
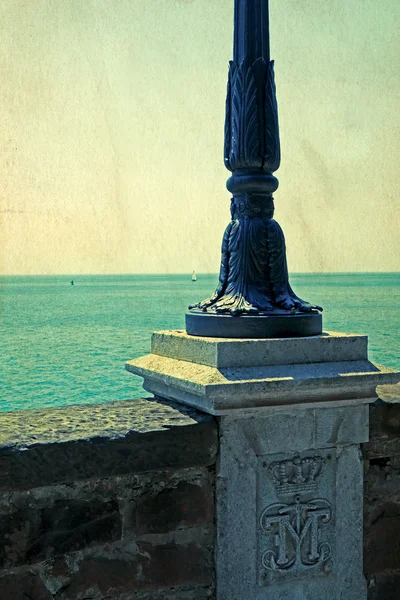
(111, 144)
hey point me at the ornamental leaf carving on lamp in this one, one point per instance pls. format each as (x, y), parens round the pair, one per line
(253, 279)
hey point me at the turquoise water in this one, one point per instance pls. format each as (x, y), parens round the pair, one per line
(63, 344)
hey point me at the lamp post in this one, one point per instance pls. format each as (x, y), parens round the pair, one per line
(253, 298)
(292, 413)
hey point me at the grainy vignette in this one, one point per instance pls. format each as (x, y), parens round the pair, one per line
(112, 124)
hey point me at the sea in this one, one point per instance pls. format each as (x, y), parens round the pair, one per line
(63, 344)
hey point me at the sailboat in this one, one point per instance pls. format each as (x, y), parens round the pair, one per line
(194, 278)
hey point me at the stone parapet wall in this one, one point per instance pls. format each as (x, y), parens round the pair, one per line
(382, 498)
(107, 502)
(116, 502)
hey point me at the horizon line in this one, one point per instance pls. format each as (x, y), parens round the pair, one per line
(76, 275)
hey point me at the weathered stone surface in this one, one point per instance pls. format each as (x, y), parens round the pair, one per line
(72, 525)
(17, 533)
(23, 586)
(108, 420)
(223, 375)
(270, 432)
(184, 593)
(180, 507)
(382, 482)
(382, 539)
(385, 414)
(69, 533)
(259, 486)
(225, 352)
(55, 573)
(384, 425)
(177, 565)
(218, 391)
(298, 428)
(349, 524)
(178, 437)
(384, 587)
(341, 426)
(382, 448)
(31, 534)
(382, 499)
(124, 515)
(390, 394)
(152, 567)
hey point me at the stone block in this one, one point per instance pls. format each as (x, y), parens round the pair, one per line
(23, 586)
(71, 525)
(186, 505)
(350, 581)
(382, 448)
(102, 577)
(225, 352)
(384, 420)
(385, 586)
(382, 539)
(153, 567)
(263, 483)
(219, 391)
(341, 426)
(31, 535)
(269, 432)
(55, 574)
(381, 480)
(177, 564)
(18, 531)
(295, 428)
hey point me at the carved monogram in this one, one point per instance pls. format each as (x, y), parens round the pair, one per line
(296, 531)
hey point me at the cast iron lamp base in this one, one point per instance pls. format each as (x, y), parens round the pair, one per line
(253, 298)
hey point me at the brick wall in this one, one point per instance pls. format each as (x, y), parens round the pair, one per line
(117, 514)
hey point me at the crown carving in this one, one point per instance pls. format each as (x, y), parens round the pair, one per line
(297, 475)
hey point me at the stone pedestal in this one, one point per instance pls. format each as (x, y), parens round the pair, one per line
(292, 414)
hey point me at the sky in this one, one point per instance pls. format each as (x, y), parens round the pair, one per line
(111, 144)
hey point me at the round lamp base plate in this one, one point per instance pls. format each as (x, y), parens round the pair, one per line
(276, 325)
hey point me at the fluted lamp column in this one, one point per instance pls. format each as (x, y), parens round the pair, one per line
(253, 298)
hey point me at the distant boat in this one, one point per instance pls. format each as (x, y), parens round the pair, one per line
(194, 278)
(72, 282)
